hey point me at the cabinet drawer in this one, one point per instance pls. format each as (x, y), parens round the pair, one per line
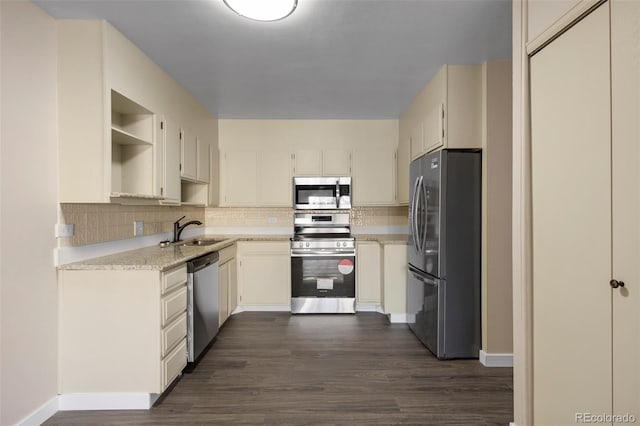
(173, 364)
(173, 304)
(174, 278)
(173, 333)
(226, 254)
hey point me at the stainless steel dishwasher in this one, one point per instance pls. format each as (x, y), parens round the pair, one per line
(202, 304)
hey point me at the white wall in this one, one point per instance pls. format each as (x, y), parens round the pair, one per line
(28, 181)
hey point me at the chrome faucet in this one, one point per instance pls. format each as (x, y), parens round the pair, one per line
(177, 228)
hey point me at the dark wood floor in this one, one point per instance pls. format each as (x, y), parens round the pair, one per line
(278, 369)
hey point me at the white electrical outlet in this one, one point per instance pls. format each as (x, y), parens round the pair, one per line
(64, 230)
(138, 228)
(273, 220)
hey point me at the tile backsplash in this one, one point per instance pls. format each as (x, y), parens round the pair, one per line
(283, 216)
(97, 223)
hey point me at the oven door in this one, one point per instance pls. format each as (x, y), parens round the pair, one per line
(323, 275)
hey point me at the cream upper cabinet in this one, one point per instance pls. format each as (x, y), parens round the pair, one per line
(188, 155)
(336, 162)
(329, 162)
(447, 113)
(111, 98)
(368, 273)
(274, 178)
(195, 158)
(308, 163)
(264, 273)
(403, 161)
(586, 327)
(374, 177)
(121, 331)
(238, 179)
(203, 156)
(107, 139)
(171, 162)
(254, 178)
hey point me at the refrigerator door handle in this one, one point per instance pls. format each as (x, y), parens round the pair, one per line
(413, 224)
(426, 216)
(424, 279)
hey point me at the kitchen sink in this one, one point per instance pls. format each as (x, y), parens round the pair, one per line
(202, 242)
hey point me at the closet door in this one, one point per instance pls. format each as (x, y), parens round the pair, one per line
(571, 215)
(625, 95)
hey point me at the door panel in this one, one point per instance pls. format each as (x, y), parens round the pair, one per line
(571, 215)
(625, 69)
(432, 170)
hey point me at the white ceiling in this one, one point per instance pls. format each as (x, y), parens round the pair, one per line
(341, 59)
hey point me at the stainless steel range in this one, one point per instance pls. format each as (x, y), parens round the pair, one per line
(323, 264)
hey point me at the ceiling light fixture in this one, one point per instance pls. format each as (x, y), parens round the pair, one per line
(262, 10)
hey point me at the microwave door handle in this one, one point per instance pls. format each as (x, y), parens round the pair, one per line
(337, 193)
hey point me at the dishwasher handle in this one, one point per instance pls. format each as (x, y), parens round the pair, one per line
(202, 262)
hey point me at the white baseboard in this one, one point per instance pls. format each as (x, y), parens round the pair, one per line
(397, 318)
(369, 307)
(496, 360)
(262, 308)
(106, 401)
(41, 415)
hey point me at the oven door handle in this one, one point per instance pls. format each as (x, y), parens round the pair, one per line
(323, 254)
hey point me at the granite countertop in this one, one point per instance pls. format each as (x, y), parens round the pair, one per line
(163, 258)
(384, 238)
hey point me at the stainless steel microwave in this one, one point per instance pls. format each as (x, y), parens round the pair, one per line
(319, 193)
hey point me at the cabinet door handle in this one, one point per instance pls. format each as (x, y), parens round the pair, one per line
(616, 283)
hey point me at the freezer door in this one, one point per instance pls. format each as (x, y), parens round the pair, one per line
(430, 198)
(425, 296)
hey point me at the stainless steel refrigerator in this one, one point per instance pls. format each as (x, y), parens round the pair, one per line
(443, 294)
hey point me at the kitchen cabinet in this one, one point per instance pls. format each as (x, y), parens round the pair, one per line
(403, 160)
(394, 266)
(170, 159)
(374, 177)
(111, 98)
(107, 139)
(328, 162)
(194, 158)
(447, 113)
(188, 155)
(121, 331)
(252, 178)
(274, 179)
(264, 274)
(586, 326)
(368, 273)
(238, 178)
(228, 292)
(308, 163)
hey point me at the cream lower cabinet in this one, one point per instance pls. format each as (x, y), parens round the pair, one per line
(368, 273)
(121, 331)
(585, 100)
(374, 177)
(228, 288)
(394, 267)
(264, 273)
